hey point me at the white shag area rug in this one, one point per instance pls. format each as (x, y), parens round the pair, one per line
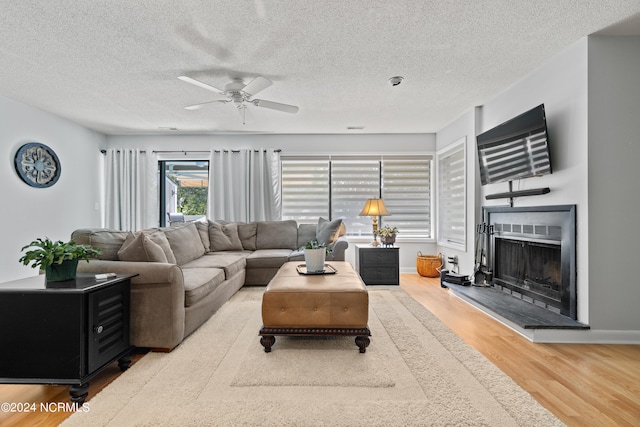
(416, 372)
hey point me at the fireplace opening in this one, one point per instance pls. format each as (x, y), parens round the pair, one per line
(530, 268)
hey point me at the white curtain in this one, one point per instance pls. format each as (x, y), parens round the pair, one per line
(244, 185)
(131, 194)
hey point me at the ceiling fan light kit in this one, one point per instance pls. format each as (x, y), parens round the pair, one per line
(240, 94)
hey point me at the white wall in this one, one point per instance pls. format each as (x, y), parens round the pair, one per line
(464, 127)
(28, 213)
(614, 174)
(302, 144)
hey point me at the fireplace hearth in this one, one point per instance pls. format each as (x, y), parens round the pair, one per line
(532, 255)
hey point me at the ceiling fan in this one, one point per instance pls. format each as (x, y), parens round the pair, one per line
(240, 94)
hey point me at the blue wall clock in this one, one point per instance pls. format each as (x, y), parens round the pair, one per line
(37, 165)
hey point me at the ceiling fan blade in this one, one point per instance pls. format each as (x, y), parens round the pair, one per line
(202, 104)
(200, 84)
(275, 106)
(256, 85)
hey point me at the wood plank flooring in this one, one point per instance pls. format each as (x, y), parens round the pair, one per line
(582, 384)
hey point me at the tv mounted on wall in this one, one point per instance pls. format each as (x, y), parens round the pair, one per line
(518, 148)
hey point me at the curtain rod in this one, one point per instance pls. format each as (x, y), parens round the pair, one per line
(192, 151)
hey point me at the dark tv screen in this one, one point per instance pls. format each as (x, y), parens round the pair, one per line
(518, 148)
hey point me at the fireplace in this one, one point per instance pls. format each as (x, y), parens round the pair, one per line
(532, 254)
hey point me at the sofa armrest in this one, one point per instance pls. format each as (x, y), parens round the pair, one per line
(157, 300)
(338, 249)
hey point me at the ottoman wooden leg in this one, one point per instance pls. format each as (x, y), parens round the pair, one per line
(267, 341)
(362, 342)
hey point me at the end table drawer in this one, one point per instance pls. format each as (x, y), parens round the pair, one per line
(377, 257)
(379, 275)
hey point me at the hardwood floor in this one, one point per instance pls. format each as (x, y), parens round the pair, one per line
(582, 384)
(49, 395)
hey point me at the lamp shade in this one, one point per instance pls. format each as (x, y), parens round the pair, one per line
(374, 207)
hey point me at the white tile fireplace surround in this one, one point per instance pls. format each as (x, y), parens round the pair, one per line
(532, 254)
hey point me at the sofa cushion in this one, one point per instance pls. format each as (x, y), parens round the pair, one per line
(140, 248)
(158, 236)
(224, 237)
(185, 243)
(268, 258)
(297, 255)
(328, 231)
(306, 233)
(247, 234)
(108, 241)
(230, 262)
(200, 282)
(203, 231)
(277, 235)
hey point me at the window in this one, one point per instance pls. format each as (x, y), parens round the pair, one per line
(183, 188)
(353, 181)
(452, 196)
(305, 189)
(338, 186)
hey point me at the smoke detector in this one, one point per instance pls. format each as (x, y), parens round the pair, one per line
(396, 80)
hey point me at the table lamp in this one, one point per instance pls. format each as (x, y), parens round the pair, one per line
(374, 208)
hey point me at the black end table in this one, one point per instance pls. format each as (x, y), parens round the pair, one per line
(378, 265)
(63, 332)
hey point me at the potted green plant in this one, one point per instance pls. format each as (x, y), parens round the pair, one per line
(58, 259)
(387, 235)
(314, 255)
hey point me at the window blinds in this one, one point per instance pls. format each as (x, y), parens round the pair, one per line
(451, 198)
(338, 186)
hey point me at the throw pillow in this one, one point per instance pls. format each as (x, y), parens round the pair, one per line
(306, 233)
(277, 235)
(224, 237)
(185, 243)
(157, 236)
(139, 248)
(108, 241)
(247, 234)
(203, 230)
(328, 231)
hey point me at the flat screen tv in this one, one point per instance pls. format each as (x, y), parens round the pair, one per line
(518, 148)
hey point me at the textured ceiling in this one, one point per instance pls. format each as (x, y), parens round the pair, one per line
(113, 65)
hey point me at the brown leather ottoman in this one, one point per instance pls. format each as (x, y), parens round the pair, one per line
(294, 304)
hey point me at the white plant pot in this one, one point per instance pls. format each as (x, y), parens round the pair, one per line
(314, 259)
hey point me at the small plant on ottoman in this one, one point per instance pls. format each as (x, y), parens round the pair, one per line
(314, 255)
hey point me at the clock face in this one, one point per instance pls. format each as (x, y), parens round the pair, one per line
(37, 165)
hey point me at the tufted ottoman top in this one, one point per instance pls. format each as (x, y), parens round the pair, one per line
(310, 301)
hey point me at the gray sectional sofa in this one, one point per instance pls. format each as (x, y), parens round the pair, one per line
(185, 273)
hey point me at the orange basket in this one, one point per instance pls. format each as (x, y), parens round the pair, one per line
(428, 265)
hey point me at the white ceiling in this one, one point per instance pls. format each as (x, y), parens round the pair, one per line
(113, 65)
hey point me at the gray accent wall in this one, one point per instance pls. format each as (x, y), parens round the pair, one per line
(591, 93)
(614, 180)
